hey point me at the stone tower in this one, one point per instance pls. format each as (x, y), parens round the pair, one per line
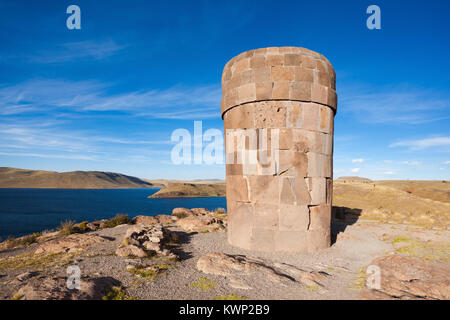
(278, 108)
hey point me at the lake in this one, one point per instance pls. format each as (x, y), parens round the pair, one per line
(24, 211)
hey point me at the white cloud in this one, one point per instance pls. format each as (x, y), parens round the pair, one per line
(389, 172)
(355, 170)
(446, 162)
(178, 102)
(423, 143)
(411, 163)
(387, 161)
(394, 105)
(360, 160)
(71, 51)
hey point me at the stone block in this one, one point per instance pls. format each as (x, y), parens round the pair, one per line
(285, 139)
(306, 141)
(262, 75)
(292, 59)
(270, 114)
(300, 90)
(308, 62)
(303, 74)
(325, 118)
(240, 227)
(240, 66)
(320, 217)
(292, 163)
(247, 92)
(274, 60)
(291, 241)
(319, 93)
(239, 118)
(293, 218)
(323, 78)
(262, 240)
(282, 73)
(326, 143)
(317, 189)
(237, 188)
(264, 90)
(257, 62)
(294, 115)
(234, 169)
(281, 90)
(266, 216)
(318, 240)
(310, 116)
(261, 187)
(247, 76)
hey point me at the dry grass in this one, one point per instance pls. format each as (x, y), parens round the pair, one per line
(424, 250)
(118, 293)
(434, 189)
(36, 261)
(203, 284)
(117, 220)
(388, 204)
(151, 272)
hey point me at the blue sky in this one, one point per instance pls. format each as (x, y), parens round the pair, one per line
(107, 97)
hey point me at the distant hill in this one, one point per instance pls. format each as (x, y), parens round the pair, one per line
(182, 190)
(425, 203)
(21, 178)
(354, 179)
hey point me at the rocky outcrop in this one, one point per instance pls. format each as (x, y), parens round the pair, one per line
(198, 220)
(55, 288)
(70, 243)
(144, 241)
(151, 220)
(409, 278)
(237, 268)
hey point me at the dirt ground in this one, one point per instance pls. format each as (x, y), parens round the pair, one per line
(355, 246)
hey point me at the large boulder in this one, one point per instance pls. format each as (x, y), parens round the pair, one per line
(131, 251)
(55, 288)
(70, 243)
(198, 220)
(152, 220)
(238, 268)
(410, 278)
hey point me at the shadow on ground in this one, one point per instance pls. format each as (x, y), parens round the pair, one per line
(341, 217)
(176, 247)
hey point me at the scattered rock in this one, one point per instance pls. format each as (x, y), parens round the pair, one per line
(142, 241)
(198, 220)
(55, 288)
(410, 278)
(152, 220)
(131, 251)
(70, 243)
(182, 213)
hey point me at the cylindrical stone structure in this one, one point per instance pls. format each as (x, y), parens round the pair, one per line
(278, 106)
